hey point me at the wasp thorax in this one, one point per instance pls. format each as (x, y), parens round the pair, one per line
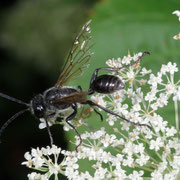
(38, 106)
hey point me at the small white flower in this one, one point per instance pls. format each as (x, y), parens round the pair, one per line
(111, 120)
(108, 139)
(136, 107)
(139, 148)
(156, 144)
(66, 127)
(176, 162)
(54, 168)
(36, 153)
(142, 160)
(130, 75)
(118, 142)
(128, 148)
(114, 63)
(170, 132)
(130, 93)
(119, 173)
(155, 105)
(125, 125)
(151, 96)
(98, 99)
(172, 67)
(154, 80)
(29, 162)
(136, 175)
(162, 100)
(148, 135)
(156, 175)
(55, 150)
(34, 176)
(100, 173)
(177, 94)
(134, 135)
(42, 124)
(129, 161)
(127, 59)
(144, 71)
(158, 123)
(177, 36)
(121, 109)
(38, 162)
(170, 89)
(177, 13)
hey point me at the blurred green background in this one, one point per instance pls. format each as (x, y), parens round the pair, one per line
(35, 38)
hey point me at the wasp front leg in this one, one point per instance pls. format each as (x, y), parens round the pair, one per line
(49, 132)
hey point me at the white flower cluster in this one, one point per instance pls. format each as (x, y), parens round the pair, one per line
(177, 13)
(127, 152)
(41, 160)
(46, 161)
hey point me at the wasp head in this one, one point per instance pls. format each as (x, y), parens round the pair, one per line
(38, 107)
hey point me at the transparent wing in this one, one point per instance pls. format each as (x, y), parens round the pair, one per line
(78, 57)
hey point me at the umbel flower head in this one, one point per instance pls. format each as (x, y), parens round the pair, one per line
(123, 151)
(177, 13)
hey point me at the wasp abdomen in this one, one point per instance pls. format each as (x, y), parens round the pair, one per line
(107, 84)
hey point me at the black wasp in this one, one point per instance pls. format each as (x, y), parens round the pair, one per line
(54, 100)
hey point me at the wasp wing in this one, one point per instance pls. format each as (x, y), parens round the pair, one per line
(77, 97)
(78, 57)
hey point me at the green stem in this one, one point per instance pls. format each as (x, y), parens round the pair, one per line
(144, 168)
(146, 141)
(146, 178)
(176, 116)
(160, 157)
(56, 177)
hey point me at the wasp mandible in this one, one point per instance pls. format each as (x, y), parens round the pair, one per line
(54, 100)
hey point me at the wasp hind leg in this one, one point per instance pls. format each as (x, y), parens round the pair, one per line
(79, 88)
(97, 112)
(71, 117)
(91, 103)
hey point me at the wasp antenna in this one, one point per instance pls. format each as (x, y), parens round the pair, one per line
(10, 120)
(13, 99)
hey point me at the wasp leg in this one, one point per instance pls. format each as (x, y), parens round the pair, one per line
(95, 74)
(97, 112)
(113, 113)
(71, 117)
(49, 132)
(79, 88)
(51, 115)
